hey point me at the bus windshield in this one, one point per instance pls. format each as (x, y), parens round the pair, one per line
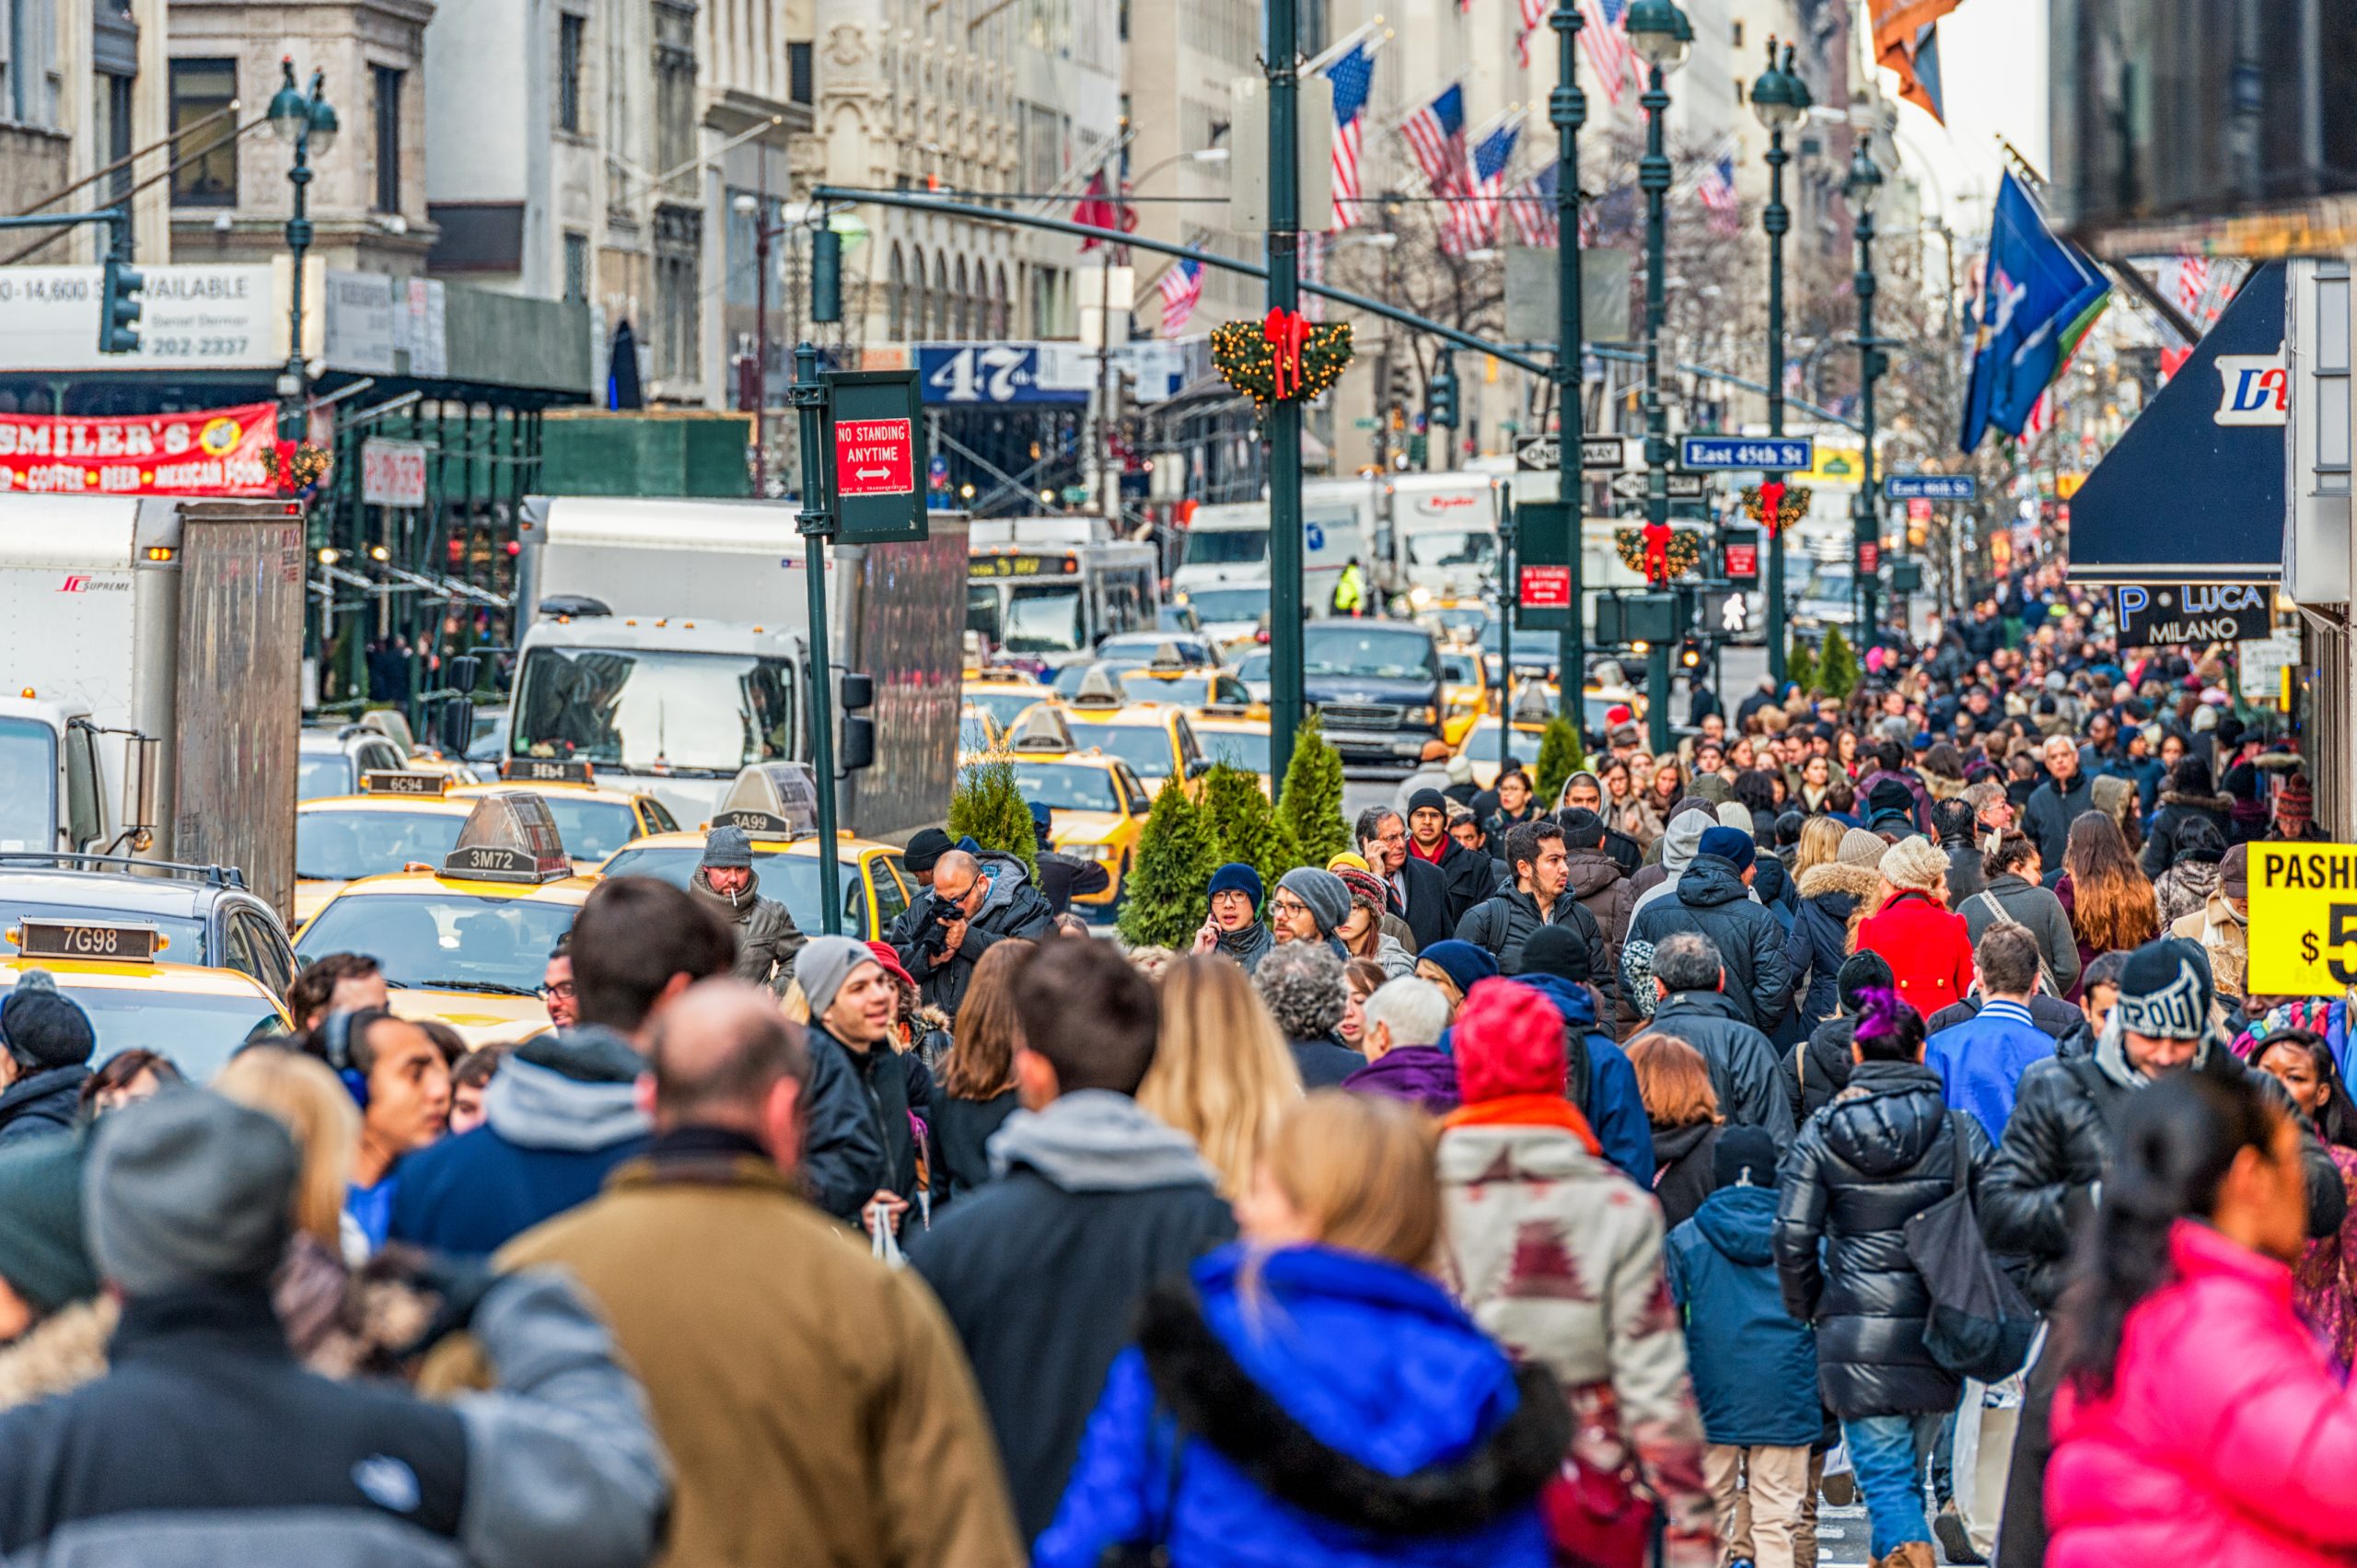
(1227, 547)
(1042, 618)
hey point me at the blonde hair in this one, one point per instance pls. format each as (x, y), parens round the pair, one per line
(793, 1002)
(1820, 843)
(303, 1094)
(1222, 1073)
(1359, 1169)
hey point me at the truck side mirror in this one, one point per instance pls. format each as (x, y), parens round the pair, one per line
(457, 725)
(143, 755)
(466, 671)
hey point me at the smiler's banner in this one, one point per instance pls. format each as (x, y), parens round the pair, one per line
(212, 452)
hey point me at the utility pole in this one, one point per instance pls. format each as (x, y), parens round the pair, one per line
(1567, 108)
(816, 522)
(1282, 416)
(1863, 185)
(1781, 99)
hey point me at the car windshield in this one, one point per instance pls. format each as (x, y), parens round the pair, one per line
(1831, 582)
(708, 713)
(184, 932)
(1230, 604)
(444, 941)
(1145, 747)
(591, 829)
(1147, 644)
(1069, 679)
(198, 1033)
(1252, 666)
(1461, 669)
(1237, 749)
(1038, 618)
(336, 846)
(1226, 547)
(1363, 650)
(1067, 786)
(1188, 691)
(318, 774)
(1004, 705)
(973, 733)
(1450, 547)
(792, 880)
(27, 785)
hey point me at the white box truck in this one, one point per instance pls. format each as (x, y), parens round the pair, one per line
(667, 642)
(150, 680)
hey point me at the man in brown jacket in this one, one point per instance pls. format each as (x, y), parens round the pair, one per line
(814, 1403)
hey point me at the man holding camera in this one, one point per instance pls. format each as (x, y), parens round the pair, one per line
(976, 898)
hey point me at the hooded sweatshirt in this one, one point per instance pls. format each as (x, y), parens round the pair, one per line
(1679, 844)
(562, 1112)
(1041, 1271)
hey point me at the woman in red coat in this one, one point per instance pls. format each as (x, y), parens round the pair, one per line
(1928, 949)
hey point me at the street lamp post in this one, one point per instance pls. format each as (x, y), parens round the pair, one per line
(1863, 185)
(1782, 100)
(1567, 108)
(1281, 420)
(305, 123)
(1661, 35)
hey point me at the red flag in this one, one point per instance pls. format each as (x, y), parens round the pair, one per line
(1095, 210)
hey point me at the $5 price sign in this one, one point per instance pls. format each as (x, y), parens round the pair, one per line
(2302, 919)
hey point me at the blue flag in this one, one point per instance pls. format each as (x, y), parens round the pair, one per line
(2038, 299)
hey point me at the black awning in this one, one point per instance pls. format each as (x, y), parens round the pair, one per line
(2194, 490)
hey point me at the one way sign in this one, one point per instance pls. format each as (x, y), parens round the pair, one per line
(1631, 486)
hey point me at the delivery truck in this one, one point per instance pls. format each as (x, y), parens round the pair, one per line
(150, 680)
(667, 642)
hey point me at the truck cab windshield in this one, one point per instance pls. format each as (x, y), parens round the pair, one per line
(1369, 654)
(1448, 547)
(695, 712)
(1227, 547)
(27, 785)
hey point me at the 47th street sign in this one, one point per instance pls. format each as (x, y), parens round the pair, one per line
(1770, 454)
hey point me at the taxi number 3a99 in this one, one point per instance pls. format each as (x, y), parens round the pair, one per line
(2302, 919)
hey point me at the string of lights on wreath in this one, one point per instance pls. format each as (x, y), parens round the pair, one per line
(1674, 556)
(1776, 506)
(1283, 357)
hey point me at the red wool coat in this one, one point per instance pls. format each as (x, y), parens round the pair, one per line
(1928, 949)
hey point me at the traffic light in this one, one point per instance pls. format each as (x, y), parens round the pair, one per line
(1440, 399)
(119, 307)
(855, 693)
(826, 276)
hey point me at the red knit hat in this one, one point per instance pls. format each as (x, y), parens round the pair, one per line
(1509, 1040)
(892, 962)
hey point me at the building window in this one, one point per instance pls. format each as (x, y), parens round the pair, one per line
(389, 137)
(577, 266)
(114, 109)
(206, 161)
(798, 73)
(896, 296)
(1738, 32)
(570, 35)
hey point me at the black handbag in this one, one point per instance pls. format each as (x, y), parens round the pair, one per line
(1980, 1325)
(1154, 1552)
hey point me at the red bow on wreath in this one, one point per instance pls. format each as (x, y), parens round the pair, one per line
(1285, 331)
(1771, 505)
(1657, 538)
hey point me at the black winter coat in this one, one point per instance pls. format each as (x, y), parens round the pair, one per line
(855, 1139)
(2058, 1144)
(1820, 942)
(2176, 810)
(1427, 913)
(41, 1103)
(1323, 1062)
(1468, 878)
(1502, 925)
(1964, 875)
(1752, 1092)
(961, 1131)
(1711, 898)
(1881, 1154)
(2050, 813)
(1011, 907)
(1684, 1172)
(1823, 1068)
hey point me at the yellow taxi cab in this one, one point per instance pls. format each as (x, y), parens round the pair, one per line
(1096, 803)
(1238, 739)
(979, 734)
(776, 804)
(399, 818)
(1203, 690)
(1465, 694)
(593, 821)
(1002, 692)
(198, 1016)
(1155, 738)
(466, 940)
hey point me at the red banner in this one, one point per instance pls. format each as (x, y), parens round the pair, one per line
(211, 452)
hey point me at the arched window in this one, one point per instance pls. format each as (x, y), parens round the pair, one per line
(940, 296)
(999, 325)
(920, 300)
(961, 319)
(895, 300)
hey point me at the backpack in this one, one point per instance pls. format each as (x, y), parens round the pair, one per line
(1980, 1324)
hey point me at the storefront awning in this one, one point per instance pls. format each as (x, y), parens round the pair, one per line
(2193, 493)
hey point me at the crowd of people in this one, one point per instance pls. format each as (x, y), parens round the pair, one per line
(1598, 1179)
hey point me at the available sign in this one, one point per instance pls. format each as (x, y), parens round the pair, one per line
(2161, 614)
(217, 317)
(392, 473)
(212, 452)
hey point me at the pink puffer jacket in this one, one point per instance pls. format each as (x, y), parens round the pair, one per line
(2229, 1440)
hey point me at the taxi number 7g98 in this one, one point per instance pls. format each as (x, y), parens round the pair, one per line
(98, 941)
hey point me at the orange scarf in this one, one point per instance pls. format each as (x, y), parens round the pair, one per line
(1527, 1110)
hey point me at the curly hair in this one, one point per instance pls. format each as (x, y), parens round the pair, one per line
(1302, 983)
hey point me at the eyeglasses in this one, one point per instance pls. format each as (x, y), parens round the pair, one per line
(1285, 903)
(561, 991)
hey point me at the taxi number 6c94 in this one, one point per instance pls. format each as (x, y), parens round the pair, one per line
(2302, 919)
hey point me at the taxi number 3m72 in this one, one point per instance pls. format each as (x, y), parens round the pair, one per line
(2302, 919)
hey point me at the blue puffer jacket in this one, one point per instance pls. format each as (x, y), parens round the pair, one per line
(1754, 1365)
(1306, 1409)
(1613, 1106)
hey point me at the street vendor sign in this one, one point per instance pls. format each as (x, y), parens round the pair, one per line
(212, 452)
(2159, 615)
(2302, 919)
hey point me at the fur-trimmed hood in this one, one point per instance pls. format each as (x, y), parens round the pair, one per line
(58, 1354)
(2221, 804)
(1338, 1333)
(1860, 882)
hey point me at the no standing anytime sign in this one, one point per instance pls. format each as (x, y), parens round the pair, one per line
(877, 453)
(873, 457)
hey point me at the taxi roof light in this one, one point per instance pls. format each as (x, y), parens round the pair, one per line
(773, 800)
(1040, 728)
(1098, 688)
(508, 837)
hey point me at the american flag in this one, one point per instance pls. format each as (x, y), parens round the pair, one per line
(1182, 286)
(1716, 189)
(1532, 208)
(1604, 33)
(1436, 136)
(1534, 14)
(2192, 282)
(1475, 218)
(1353, 76)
